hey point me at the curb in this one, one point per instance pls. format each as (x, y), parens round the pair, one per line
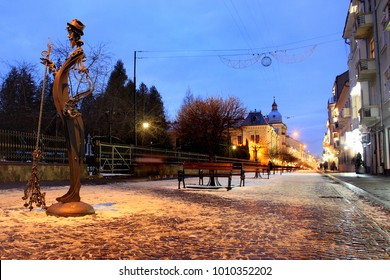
(360, 191)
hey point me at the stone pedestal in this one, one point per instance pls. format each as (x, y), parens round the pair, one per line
(70, 209)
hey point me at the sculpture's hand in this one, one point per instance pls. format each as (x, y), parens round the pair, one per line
(45, 60)
(50, 64)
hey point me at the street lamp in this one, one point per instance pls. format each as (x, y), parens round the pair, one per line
(145, 125)
(135, 99)
(110, 113)
(231, 148)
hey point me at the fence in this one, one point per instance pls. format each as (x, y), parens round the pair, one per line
(18, 146)
(112, 158)
(122, 158)
(101, 157)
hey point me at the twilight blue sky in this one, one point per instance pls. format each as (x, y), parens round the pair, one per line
(206, 46)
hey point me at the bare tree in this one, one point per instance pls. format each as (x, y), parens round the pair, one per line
(98, 63)
(202, 124)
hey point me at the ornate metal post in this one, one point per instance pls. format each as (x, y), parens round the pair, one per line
(32, 192)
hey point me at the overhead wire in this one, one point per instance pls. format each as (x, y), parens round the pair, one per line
(246, 56)
(241, 28)
(225, 52)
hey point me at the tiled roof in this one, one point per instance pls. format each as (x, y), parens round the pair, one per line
(254, 118)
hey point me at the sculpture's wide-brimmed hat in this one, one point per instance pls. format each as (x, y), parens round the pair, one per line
(77, 26)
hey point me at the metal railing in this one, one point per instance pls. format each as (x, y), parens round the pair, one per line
(18, 146)
(113, 158)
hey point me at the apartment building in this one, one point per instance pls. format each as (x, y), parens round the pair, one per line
(340, 143)
(366, 31)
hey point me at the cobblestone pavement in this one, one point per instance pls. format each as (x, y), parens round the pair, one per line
(292, 216)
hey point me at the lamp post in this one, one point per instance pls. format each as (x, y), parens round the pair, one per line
(134, 99)
(145, 126)
(110, 113)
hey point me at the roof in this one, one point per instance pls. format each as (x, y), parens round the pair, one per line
(340, 82)
(254, 118)
(274, 117)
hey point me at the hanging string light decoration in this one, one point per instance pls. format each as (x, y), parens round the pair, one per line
(265, 59)
(240, 63)
(289, 56)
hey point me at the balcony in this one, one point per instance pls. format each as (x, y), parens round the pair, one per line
(366, 70)
(364, 26)
(369, 115)
(350, 22)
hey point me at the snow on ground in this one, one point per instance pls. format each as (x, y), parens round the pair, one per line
(289, 216)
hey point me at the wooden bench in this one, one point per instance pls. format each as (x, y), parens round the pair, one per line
(257, 169)
(213, 170)
(287, 169)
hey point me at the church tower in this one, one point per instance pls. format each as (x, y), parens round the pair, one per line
(276, 121)
(274, 116)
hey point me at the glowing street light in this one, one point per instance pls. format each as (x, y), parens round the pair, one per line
(145, 125)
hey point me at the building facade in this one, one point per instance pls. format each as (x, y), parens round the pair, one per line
(340, 143)
(366, 31)
(275, 120)
(261, 138)
(267, 140)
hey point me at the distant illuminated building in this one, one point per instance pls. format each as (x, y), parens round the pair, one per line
(340, 141)
(276, 121)
(260, 137)
(267, 140)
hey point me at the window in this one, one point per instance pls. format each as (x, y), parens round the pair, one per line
(383, 40)
(239, 140)
(385, 16)
(257, 139)
(386, 94)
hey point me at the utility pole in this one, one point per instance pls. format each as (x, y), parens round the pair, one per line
(134, 100)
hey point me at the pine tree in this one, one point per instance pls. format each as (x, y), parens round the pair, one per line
(19, 101)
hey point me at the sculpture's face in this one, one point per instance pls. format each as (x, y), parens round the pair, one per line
(73, 37)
